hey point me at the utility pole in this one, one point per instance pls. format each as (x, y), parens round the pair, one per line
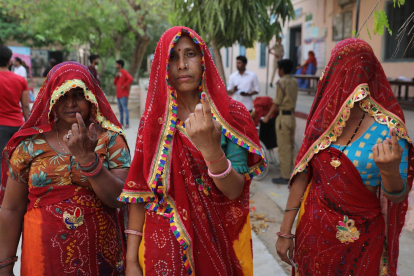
(357, 15)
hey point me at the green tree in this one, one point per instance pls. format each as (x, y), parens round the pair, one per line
(224, 22)
(146, 20)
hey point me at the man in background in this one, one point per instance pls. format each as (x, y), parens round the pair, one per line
(52, 63)
(122, 81)
(13, 92)
(94, 60)
(278, 51)
(19, 69)
(285, 103)
(243, 84)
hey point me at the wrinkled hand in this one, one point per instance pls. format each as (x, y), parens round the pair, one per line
(282, 247)
(388, 154)
(203, 130)
(82, 144)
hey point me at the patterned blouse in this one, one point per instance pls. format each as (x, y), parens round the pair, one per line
(360, 153)
(36, 163)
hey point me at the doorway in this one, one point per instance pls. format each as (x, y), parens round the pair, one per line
(295, 40)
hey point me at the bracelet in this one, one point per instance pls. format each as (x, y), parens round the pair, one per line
(96, 171)
(90, 165)
(8, 261)
(396, 194)
(133, 232)
(212, 162)
(291, 209)
(286, 236)
(222, 175)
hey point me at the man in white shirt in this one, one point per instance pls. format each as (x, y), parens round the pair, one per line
(19, 69)
(243, 84)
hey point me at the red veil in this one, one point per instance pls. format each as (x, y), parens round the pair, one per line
(152, 177)
(353, 75)
(65, 76)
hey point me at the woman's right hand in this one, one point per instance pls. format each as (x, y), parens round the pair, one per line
(133, 269)
(284, 245)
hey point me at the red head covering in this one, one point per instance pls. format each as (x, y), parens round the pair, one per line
(352, 75)
(62, 78)
(157, 124)
(157, 137)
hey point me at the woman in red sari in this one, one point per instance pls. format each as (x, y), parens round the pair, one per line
(199, 152)
(64, 169)
(352, 175)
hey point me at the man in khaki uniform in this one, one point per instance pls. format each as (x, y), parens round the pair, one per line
(285, 103)
(278, 51)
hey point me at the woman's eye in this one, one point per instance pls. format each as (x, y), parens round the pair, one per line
(79, 94)
(173, 57)
(191, 54)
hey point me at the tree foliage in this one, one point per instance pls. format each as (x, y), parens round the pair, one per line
(230, 21)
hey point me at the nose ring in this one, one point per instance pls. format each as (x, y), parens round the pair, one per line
(186, 65)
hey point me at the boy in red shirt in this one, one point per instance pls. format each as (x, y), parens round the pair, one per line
(13, 91)
(122, 81)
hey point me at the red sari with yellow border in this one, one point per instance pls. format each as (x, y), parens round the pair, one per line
(190, 228)
(343, 229)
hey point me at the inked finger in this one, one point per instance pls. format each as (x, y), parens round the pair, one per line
(199, 117)
(208, 116)
(82, 126)
(394, 140)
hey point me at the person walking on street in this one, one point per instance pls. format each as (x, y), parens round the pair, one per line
(278, 51)
(94, 59)
(19, 69)
(285, 103)
(52, 64)
(14, 99)
(243, 84)
(122, 81)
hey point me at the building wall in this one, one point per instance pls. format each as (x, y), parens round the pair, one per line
(323, 12)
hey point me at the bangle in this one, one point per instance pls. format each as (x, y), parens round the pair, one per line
(90, 165)
(8, 261)
(133, 232)
(291, 209)
(286, 236)
(396, 194)
(96, 171)
(212, 162)
(222, 175)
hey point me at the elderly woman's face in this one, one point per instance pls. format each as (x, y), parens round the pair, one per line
(71, 103)
(185, 69)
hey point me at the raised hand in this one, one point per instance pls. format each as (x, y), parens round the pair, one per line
(203, 130)
(80, 143)
(387, 155)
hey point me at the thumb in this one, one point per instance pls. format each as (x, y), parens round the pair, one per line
(217, 125)
(93, 135)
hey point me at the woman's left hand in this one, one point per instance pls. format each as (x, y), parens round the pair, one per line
(204, 131)
(80, 143)
(388, 154)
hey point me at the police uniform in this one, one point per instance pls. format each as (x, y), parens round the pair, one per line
(286, 97)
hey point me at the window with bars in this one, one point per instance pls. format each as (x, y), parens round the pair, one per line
(262, 62)
(242, 50)
(396, 18)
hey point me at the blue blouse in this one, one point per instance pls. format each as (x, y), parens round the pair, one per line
(360, 153)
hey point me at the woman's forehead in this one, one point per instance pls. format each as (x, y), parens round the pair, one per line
(185, 42)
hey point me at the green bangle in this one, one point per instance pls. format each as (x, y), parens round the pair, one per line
(396, 194)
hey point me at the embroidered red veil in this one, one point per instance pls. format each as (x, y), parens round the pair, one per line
(355, 76)
(66, 75)
(152, 177)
